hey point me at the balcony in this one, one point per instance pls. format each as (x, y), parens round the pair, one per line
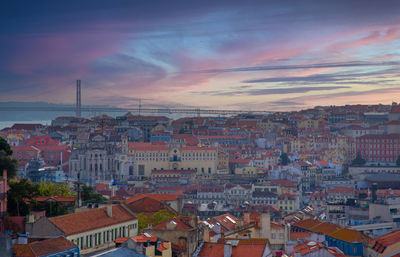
(175, 159)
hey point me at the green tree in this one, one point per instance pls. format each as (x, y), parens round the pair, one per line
(161, 216)
(143, 221)
(20, 194)
(284, 159)
(398, 161)
(6, 161)
(47, 188)
(89, 195)
(358, 161)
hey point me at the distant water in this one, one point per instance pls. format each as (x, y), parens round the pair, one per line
(7, 124)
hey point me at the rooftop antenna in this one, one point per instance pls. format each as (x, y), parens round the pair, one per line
(78, 98)
(140, 105)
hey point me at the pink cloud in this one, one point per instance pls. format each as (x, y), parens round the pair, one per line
(376, 36)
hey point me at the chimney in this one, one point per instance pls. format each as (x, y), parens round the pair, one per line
(228, 249)
(206, 234)
(5, 174)
(31, 218)
(265, 221)
(109, 210)
(246, 218)
(113, 191)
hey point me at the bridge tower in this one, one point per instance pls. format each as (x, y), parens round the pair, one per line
(78, 99)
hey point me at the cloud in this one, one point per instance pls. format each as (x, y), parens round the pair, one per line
(300, 66)
(337, 78)
(271, 91)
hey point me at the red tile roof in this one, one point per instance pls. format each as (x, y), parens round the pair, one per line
(228, 222)
(307, 224)
(45, 247)
(139, 146)
(343, 190)
(180, 225)
(197, 148)
(325, 228)
(158, 197)
(143, 238)
(147, 205)
(79, 222)
(310, 247)
(348, 235)
(55, 198)
(379, 243)
(251, 248)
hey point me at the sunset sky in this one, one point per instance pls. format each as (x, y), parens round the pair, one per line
(250, 55)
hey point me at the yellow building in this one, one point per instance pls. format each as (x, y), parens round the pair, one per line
(248, 170)
(271, 126)
(287, 202)
(147, 157)
(223, 162)
(308, 123)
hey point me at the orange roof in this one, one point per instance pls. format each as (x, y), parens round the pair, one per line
(325, 228)
(143, 238)
(159, 197)
(379, 243)
(147, 205)
(310, 247)
(228, 222)
(180, 225)
(348, 235)
(79, 222)
(22, 250)
(161, 248)
(55, 198)
(307, 224)
(197, 148)
(40, 248)
(252, 248)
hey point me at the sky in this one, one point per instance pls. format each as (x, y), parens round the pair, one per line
(241, 55)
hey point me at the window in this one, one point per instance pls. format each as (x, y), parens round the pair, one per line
(141, 170)
(280, 235)
(273, 236)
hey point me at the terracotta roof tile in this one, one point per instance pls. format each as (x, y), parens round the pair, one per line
(147, 205)
(325, 228)
(85, 221)
(158, 197)
(40, 248)
(348, 235)
(22, 250)
(180, 225)
(307, 224)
